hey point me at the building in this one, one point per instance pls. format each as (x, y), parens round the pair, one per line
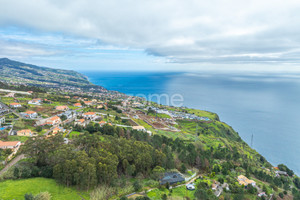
(10, 95)
(53, 121)
(25, 132)
(88, 103)
(78, 105)
(58, 130)
(10, 145)
(69, 114)
(279, 173)
(35, 102)
(80, 122)
(15, 105)
(89, 115)
(172, 178)
(137, 105)
(102, 123)
(2, 121)
(62, 108)
(243, 180)
(139, 128)
(29, 114)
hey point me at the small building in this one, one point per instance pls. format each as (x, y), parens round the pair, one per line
(279, 173)
(102, 123)
(15, 105)
(172, 178)
(89, 115)
(243, 180)
(139, 128)
(80, 122)
(69, 114)
(25, 132)
(2, 121)
(35, 102)
(53, 121)
(88, 103)
(78, 105)
(137, 105)
(261, 194)
(29, 114)
(62, 108)
(10, 144)
(10, 94)
(58, 130)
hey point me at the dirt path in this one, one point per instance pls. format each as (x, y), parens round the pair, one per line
(12, 163)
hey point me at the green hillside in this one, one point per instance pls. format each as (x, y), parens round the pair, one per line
(17, 72)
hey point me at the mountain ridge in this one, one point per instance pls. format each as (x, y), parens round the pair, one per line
(22, 73)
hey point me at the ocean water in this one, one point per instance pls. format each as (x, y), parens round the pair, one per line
(265, 105)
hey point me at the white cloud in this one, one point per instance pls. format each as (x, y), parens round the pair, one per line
(182, 31)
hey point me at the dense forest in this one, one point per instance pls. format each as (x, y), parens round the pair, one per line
(102, 154)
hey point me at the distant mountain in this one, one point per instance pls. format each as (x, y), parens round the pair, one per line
(21, 73)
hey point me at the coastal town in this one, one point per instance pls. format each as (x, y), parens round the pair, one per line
(25, 115)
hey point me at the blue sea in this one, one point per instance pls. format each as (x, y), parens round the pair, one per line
(266, 105)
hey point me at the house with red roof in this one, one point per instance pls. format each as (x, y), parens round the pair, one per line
(25, 132)
(89, 115)
(78, 105)
(53, 121)
(62, 108)
(10, 144)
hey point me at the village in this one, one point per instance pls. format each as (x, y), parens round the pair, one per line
(26, 114)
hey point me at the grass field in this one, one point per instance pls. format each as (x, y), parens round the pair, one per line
(73, 133)
(16, 189)
(179, 192)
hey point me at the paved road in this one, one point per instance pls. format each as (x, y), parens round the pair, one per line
(12, 163)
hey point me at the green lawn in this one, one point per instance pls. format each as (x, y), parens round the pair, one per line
(73, 133)
(18, 138)
(181, 191)
(16, 189)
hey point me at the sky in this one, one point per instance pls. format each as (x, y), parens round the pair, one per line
(153, 34)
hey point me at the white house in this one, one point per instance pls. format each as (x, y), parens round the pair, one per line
(15, 105)
(139, 128)
(2, 121)
(35, 102)
(89, 115)
(29, 114)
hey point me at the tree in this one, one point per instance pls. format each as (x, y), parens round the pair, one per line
(183, 168)
(63, 117)
(164, 197)
(38, 128)
(137, 186)
(16, 172)
(201, 194)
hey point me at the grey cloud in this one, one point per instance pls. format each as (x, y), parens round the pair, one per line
(182, 31)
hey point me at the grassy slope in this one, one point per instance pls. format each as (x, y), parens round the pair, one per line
(16, 189)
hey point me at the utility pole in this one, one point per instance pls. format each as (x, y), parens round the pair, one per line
(252, 141)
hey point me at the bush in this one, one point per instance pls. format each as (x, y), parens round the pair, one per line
(28, 196)
(281, 195)
(43, 196)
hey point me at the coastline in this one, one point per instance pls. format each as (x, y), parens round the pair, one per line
(238, 124)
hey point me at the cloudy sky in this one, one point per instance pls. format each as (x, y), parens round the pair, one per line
(152, 34)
